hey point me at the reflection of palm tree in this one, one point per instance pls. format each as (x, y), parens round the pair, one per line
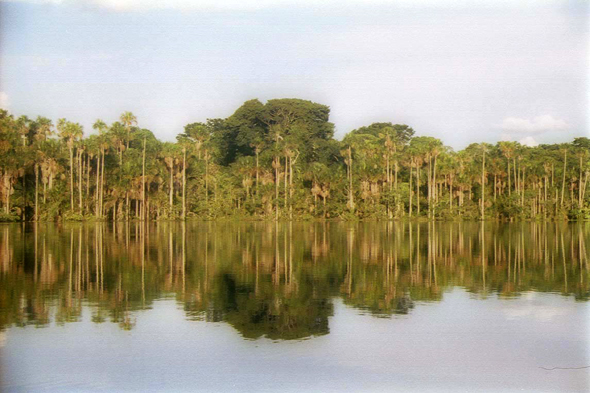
(277, 280)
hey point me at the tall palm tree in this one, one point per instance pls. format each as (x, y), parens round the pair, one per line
(507, 149)
(70, 133)
(44, 128)
(483, 179)
(101, 127)
(129, 120)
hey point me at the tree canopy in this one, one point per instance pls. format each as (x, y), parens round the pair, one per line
(279, 160)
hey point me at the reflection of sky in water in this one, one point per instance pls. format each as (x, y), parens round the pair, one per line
(533, 307)
(459, 343)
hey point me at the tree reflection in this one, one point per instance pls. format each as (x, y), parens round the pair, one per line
(276, 279)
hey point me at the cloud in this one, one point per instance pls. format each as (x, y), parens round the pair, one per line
(206, 5)
(4, 102)
(538, 125)
(528, 141)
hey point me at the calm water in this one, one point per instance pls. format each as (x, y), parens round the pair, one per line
(291, 307)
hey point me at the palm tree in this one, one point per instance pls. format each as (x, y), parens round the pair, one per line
(70, 132)
(564, 150)
(128, 119)
(483, 178)
(507, 149)
(257, 146)
(101, 127)
(43, 130)
(170, 157)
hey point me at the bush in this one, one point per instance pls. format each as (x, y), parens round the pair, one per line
(73, 217)
(11, 217)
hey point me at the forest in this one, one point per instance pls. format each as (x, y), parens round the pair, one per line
(279, 160)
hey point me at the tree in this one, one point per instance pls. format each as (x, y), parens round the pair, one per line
(276, 160)
(101, 127)
(70, 133)
(128, 120)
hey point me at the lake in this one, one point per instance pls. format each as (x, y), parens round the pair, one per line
(255, 306)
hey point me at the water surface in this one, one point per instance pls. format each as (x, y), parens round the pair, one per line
(317, 307)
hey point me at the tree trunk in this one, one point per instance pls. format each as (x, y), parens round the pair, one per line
(411, 191)
(9, 188)
(143, 207)
(88, 169)
(36, 192)
(396, 168)
(417, 190)
(101, 207)
(80, 181)
(71, 180)
(522, 186)
(171, 186)
(483, 184)
(184, 183)
(580, 185)
(291, 187)
(451, 193)
(429, 186)
(257, 172)
(545, 190)
(563, 182)
(434, 181)
(516, 185)
(277, 165)
(286, 184)
(97, 190)
(207, 179)
(387, 168)
(509, 177)
(350, 193)
(495, 185)
(584, 186)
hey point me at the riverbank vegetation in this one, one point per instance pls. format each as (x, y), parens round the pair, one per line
(279, 160)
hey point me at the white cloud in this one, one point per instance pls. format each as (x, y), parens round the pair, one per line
(4, 102)
(538, 125)
(528, 141)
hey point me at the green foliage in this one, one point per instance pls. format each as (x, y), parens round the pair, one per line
(279, 160)
(11, 217)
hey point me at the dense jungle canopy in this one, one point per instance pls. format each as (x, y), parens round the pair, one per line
(279, 160)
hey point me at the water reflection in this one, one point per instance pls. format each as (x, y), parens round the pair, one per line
(276, 280)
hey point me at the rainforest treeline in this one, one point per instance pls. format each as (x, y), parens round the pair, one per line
(279, 160)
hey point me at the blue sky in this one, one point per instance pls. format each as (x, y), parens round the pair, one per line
(462, 71)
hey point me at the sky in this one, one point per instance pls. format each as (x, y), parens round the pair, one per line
(462, 71)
